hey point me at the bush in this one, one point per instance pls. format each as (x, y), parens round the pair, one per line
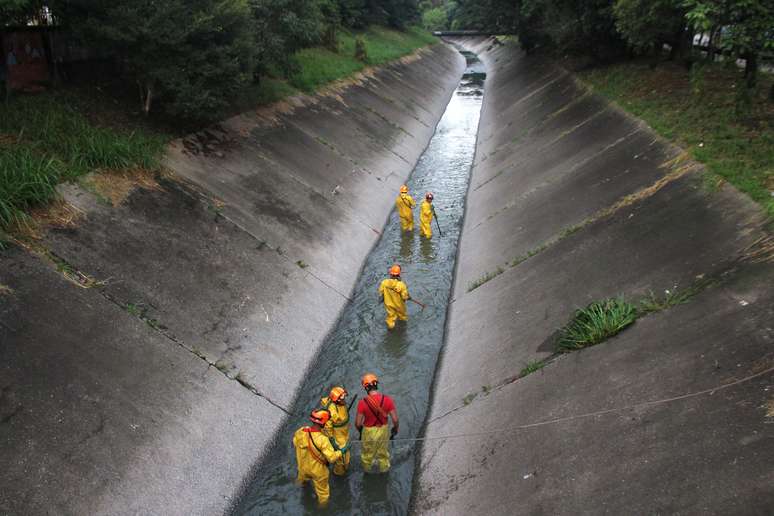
(360, 50)
(435, 19)
(27, 180)
(598, 321)
(193, 55)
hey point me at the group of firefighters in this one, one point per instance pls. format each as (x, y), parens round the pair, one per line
(326, 442)
(393, 290)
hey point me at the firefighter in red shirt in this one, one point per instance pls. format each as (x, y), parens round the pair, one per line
(373, 412)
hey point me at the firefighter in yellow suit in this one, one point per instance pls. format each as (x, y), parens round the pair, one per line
(373, 413)
(426, 212)
(314, 452)
(395, 294)
(337, 427)
(405, 206)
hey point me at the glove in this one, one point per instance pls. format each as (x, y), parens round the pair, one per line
(393, 431)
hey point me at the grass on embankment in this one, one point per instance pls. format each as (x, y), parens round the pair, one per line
(45, 140)
(318, 66)
(698, 111)
(60, 136)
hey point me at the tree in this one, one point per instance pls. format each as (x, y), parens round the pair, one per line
(283, 27)
(490, 15)
(435, 19)
(576, 27)
(747, 28)
(192, 55)
(647, 24)
(395, 13)
(353, 13)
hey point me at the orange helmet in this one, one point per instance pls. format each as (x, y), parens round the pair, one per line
(320, 417)
(369, 379)
(395, 270)
(404, 189)
(429, 196)
(337, 393)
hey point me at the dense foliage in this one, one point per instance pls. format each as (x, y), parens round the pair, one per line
(191, 56)
(608, 28)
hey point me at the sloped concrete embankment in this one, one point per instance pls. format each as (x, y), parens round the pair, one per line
(150, 348)
(572, 201)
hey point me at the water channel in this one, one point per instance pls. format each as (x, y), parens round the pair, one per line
(405, 358)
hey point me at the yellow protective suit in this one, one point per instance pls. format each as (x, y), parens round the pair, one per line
(395, 294)
(314, 452)
(405, 206)
(426, 219)
(376, 446)
(337, 428)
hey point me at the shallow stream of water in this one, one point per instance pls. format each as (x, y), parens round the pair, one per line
(405, 358)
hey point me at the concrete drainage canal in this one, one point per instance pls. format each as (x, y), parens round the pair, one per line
(405, 358)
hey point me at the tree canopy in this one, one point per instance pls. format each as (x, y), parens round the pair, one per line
(608, 28)
(190, 56)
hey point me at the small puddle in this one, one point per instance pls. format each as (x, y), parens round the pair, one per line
(404, 359)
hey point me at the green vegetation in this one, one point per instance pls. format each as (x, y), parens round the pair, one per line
(601, 320)
(469, 398)
(141, 312)
(532, 367)
(596, 323)
(654, 303)
(483, 279)
(43, 141)
(605, 29)
(673, 297)
(532, 252)
(49, 138)
(319, 66)
(192, 57)
(697, 111)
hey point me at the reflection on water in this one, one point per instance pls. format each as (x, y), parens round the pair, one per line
(405, 358)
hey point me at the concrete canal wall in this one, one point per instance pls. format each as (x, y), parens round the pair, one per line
(152, 340)
(573, 201)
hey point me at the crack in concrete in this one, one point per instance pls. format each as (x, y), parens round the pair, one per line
(95, 432)
(623, 202)
(389, 122)
(499, 385)
(560, 74)
(162, 330)
(408, 110)
(350, 213)
(559, 177)
(204, 197)
(5, 394)
(760, 251)
(541, 149)
(526, 132)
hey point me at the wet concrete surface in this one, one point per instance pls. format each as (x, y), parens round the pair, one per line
(158, 388)
(405, 358)
(624, 214)
(96, 406)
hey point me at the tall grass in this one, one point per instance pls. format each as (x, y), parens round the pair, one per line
(44, 141)
(700, 112)
(595, 323)
(27, 179)
(319, 66)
